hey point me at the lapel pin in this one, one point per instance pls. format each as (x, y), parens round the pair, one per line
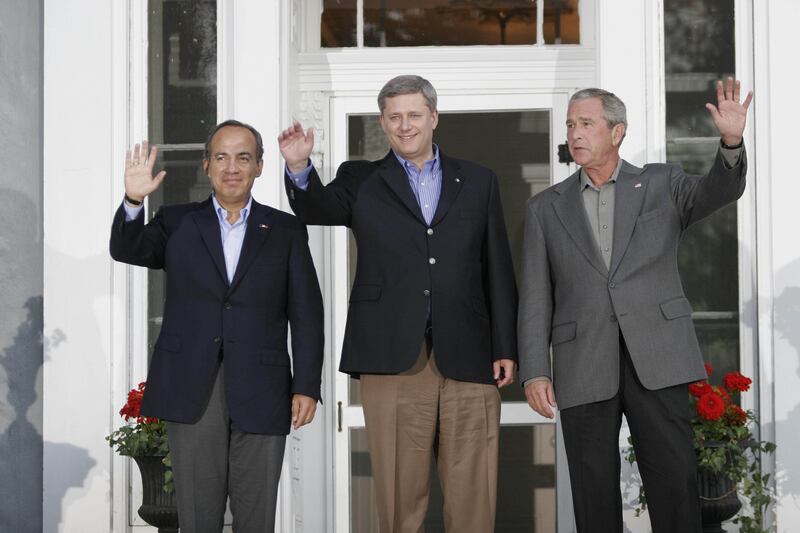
(458, 180)
(263, 226)
(637, 185)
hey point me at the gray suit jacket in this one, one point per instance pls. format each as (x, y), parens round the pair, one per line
(568, 298)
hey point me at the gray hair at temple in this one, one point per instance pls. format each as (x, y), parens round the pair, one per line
(407, 84)
(613, 107)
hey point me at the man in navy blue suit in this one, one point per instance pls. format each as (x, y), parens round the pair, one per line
(238, 274)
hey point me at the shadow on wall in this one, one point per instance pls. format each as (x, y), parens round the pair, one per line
(21, 447)
(787, 340)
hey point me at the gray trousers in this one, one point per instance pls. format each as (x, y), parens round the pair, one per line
(213, 460)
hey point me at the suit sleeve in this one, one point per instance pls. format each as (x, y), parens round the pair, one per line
(499, 275)
(536, 301)
(305, 318)
(322, 205)
(138, 244)
(696, 197)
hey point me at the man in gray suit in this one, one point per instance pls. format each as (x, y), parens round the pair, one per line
(600, 284)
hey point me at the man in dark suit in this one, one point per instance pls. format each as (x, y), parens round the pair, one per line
(238, 273)
(600, 284)
(431, 323)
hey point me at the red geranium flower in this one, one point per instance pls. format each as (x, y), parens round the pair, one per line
(735, 381)
(710, 406)
(735, 415)
(709, 369)
(133, 407)
(722, 393)
(699, 388)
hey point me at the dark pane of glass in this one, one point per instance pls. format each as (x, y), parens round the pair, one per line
(467, 22)
(185, 182)
(183, 70)
(699, 49)
(338, 28)
(518, 150)
(526, 494)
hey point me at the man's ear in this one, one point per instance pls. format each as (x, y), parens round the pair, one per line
(617, 134)
(205, 166)
(260, 167)
(435, 115)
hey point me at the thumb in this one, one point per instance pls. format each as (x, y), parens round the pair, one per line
(295, 409)
(712, 109)
(551, 399)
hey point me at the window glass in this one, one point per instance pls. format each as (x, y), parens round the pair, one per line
(699, 50)
(448, 22)
(182, 98)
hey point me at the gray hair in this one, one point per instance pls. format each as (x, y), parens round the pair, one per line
(613, 107)
(407, 84)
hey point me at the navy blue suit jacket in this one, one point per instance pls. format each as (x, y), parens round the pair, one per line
(275, 285)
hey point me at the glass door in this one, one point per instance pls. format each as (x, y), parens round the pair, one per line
(515, 135)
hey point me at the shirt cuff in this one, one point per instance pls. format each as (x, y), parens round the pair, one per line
(533, 380)
(131, 212)
(300, 179)
(731, 156)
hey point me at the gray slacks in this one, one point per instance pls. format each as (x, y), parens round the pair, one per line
(213, 460)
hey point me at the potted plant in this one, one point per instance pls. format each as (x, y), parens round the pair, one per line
(145, 440)
(728, 456)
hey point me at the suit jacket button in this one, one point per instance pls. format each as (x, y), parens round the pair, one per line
(430, 231)
(228, 305)
(217, 340)
(612, 284)
(613, 318)
(432, 260)
(426, 292)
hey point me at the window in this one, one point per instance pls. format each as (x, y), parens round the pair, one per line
(182, 109)
(699, 50)
(389, 23)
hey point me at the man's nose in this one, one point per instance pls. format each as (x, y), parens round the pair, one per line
(405, 123)
(231, 166)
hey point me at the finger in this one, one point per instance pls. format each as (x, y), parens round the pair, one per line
(143, 159)
(712, 109)
(135, 153)
(127, 159)
(720, 95)
(737, 87)
(151, 158)
(544, 405)
(158, 179)
(496, 369)
(295, 411)
(729, 88)
(551, 396)
(746, 103)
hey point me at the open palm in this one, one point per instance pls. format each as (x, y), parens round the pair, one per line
(139, 179)
(729, 115)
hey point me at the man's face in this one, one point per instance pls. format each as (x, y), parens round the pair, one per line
(232, 166)
(591, 142)
(408, 124)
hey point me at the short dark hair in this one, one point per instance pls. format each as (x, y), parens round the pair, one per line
(235, 123)
(408, 84)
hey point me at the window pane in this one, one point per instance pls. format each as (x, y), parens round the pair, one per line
(526, 494)
(699, 49)
(467, 22)
(183, 70)
(518, 150)
(338, 28)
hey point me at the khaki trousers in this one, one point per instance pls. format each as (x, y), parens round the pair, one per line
(404, 415)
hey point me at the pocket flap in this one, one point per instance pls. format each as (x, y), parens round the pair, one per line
(168, 343)
(676, 307)
(275, 357)
(563, 333)
(365, 292)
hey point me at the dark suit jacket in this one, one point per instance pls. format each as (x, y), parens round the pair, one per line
(570, 299)
(275, 284)
(460, 266)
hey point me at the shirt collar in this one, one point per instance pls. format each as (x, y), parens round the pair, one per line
(222, 212)
(586, 182)
(434, 163)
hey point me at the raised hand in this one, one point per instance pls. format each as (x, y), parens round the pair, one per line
(729, 115)
(296, 146)
(139, 179)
